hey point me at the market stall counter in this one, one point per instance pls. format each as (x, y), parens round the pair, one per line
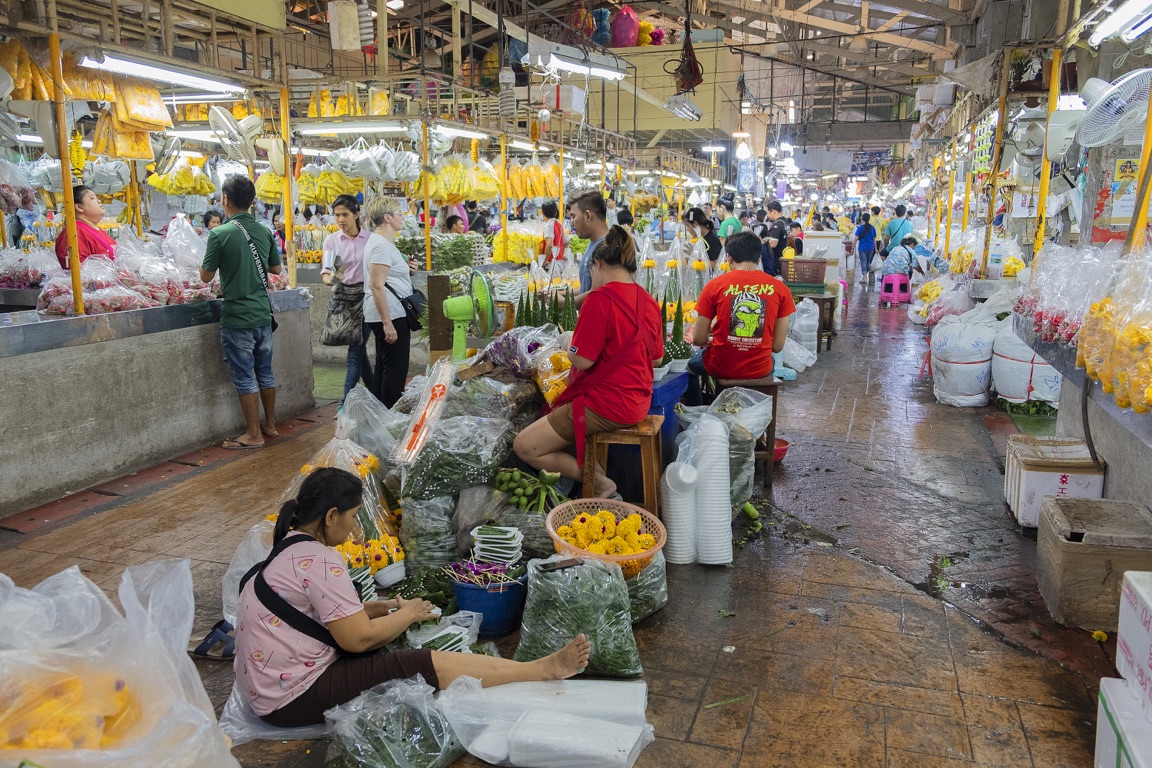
(92, 397)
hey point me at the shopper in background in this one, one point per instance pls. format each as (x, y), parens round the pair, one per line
(587, 212)
(244, 253)
(796, 239)
(454, 225)
(389, 280)
(342, 266)
(212, 219)
(865, 240)
(730, 225)
(746, 313)
(477, 221)
(896, 229)
(280, 229)
(618, 339)
(707, 208)
(700, 226)
(624, 219)
(901, 259)
(877, 221)
(290, 678)
(90, 239)
(611, 213)
(777, 237)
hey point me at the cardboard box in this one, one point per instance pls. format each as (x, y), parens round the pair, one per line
(1038, 466)
(1084, 547)
(1123, 736)
(1134, 637)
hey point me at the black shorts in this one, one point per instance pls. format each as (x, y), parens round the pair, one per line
(347, 678)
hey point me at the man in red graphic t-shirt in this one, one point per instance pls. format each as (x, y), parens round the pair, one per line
(747, 312)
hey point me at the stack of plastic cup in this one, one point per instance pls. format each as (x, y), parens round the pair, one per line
(713, 493)
(678, 497)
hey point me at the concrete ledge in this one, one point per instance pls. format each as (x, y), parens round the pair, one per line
(77, 416)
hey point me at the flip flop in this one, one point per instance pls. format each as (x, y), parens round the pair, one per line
(217, 645)
(236, 445)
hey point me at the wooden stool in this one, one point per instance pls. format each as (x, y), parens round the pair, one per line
(768, 386)
(646, 434)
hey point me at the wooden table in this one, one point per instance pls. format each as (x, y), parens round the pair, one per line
(828, 304)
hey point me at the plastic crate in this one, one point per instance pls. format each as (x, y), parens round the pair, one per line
(803, 270)
(805, 289)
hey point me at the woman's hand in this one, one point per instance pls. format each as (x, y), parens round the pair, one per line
(415, 610)
(414, 264)
(390, 334)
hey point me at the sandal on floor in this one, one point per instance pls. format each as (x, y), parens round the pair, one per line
(217, 645)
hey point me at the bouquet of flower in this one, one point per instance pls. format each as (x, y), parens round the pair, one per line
(603, 534)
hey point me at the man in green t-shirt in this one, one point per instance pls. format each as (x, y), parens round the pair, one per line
(897, 229)
(731, 225)
(244, 252)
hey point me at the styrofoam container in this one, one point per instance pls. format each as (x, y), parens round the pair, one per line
(1037, 466)
(1134, 637)
(1123, 735)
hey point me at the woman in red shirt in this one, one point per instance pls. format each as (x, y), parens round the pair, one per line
(618, 338)
(90, 239)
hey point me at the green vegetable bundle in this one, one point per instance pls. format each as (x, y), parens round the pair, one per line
(528, 493)
(648, 590)
(427, 534)
(461, 452)
(591, 598)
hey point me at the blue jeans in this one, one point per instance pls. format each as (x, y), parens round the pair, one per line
(866, 263)
(359, 367)
(695, 394)
(248, 352)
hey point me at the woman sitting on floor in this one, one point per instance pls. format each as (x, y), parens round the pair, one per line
(619, 336)
(305, 642)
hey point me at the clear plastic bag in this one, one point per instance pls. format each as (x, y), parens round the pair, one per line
(254, 548)
(594, 723)
(374, 426)
(427, 533)
(241, 724)
(425, 412)
(648, 590)
(954, 302)
(476, 506)
(182, 244)
(21, 270)
(517, 349)
(115, 691)
(469, 621)
(591, 598)
(797, 357)
(396, 724)
(487, 397)
(461, 452)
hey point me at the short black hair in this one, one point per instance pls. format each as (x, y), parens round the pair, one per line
(727, 205)
(796, 225)
(348, 201)
(470, 205)
(551, 210)
(624, 216)
(743, 247)
(743, 214)
(875, 210)
(78, 193)
(775, 206)
(826, 209)
(901, 210)
(451, 222)
(590, 202)
(240, 191)
(866, 217)
(209, 215)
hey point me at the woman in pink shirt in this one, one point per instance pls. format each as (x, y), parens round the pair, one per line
(305, 642)
(344, 256)
(90, 239)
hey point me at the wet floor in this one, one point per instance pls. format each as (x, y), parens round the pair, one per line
(887, 617)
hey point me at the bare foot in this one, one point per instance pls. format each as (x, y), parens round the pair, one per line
(270, 431)
(569, 660)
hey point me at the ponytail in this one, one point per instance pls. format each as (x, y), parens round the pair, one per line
(617, 250)
(325, 489)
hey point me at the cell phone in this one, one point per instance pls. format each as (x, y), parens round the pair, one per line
(559, 565)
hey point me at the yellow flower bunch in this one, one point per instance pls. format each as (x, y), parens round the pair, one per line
(515, 247)
(689, 312)
(699, 265)
(1012, 266)
(363, 465)
(602, 534)
(59, 710)
(649, 264)
(961, 260)
(1096, 337)
(725, 266)
(552, 376)
(672, 264)
(374, 553)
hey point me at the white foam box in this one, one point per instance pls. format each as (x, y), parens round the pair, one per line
(1037, 466)
(1134, 637)
(1123, 736)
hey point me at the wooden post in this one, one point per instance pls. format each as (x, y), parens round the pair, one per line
(951, 193)
(289, 232)
(997, 155)
(968, 174)
(457, 64)
(57, 65)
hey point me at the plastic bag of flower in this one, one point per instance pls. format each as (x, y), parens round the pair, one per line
(182, 244)
(427, 533)
(397, 724)
(590, 597)
(517, 349)
(83, 686)
(648, 590)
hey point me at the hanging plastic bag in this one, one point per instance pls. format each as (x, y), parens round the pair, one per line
(396, 724)
(589, 598)
(427, 533)
(462, 451)
(625, 28)
(648, 590)
(112, 690)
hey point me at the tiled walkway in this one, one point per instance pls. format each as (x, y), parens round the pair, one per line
(833, 657)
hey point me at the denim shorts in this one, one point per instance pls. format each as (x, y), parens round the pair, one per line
(248, 352)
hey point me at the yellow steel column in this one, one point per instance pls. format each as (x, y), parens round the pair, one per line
(951, 193)
(1045, 161)
(427, 200)
(997, 155)
(968, 174)
(503, 200)
(66, 167)
(289, 234)
(1138, 231)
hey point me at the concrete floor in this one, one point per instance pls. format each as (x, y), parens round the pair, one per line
(889, 617)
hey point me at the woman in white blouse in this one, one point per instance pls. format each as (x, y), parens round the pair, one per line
(389, 280)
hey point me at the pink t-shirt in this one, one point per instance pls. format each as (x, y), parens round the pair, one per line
(274, 663)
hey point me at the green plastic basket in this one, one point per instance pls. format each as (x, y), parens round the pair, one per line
(805, 289)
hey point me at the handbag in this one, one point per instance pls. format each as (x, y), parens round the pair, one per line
(344, 323)
(413, 307)
(260, 271)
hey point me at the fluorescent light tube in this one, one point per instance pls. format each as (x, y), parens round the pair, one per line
(741, 135)
(462, 133)
(830, 176)
(517, 144)
(712, 148)
(1136, 30)
(309, 152)
(152, 72)
(1119, 19)
(194, 134)
(28, 138)
(395, 4)
(200, 98)
(351, 126)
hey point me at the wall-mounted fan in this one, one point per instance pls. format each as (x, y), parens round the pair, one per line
(43, 115)
(237, 137)
(277, 150)
(167, 155)
(1114, 108)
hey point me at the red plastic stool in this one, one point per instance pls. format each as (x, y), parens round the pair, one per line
(895, 289)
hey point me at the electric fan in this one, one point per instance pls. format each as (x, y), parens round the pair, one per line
(277, 150)
(168, 155)
(1114, 108)
(43, 114)
(462, 310)
(236, 137)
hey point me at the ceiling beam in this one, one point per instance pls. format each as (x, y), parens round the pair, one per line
(869, 58)
(892, 21)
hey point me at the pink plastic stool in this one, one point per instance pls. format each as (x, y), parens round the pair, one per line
(895, 289)
(844, 293)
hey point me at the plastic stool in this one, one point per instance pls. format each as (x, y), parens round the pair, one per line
(771, 387)
(646, 434)
(895, 289)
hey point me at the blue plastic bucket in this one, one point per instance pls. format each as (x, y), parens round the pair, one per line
(501, 604)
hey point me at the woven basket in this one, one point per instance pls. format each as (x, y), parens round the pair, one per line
(803, 270)
(565, 513)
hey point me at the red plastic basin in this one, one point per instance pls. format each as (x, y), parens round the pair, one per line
(780, 450)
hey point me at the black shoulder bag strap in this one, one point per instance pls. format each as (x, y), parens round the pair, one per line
(285, 611)
(260, 271)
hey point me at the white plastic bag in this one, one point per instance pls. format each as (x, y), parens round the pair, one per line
(254, 548)
(183, 245)
(65, 652)
(962, 361)
(796, 357)
(805, 326)
(241, 724)
(1019, 374)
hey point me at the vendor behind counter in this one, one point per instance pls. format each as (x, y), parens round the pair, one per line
(90, 239)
